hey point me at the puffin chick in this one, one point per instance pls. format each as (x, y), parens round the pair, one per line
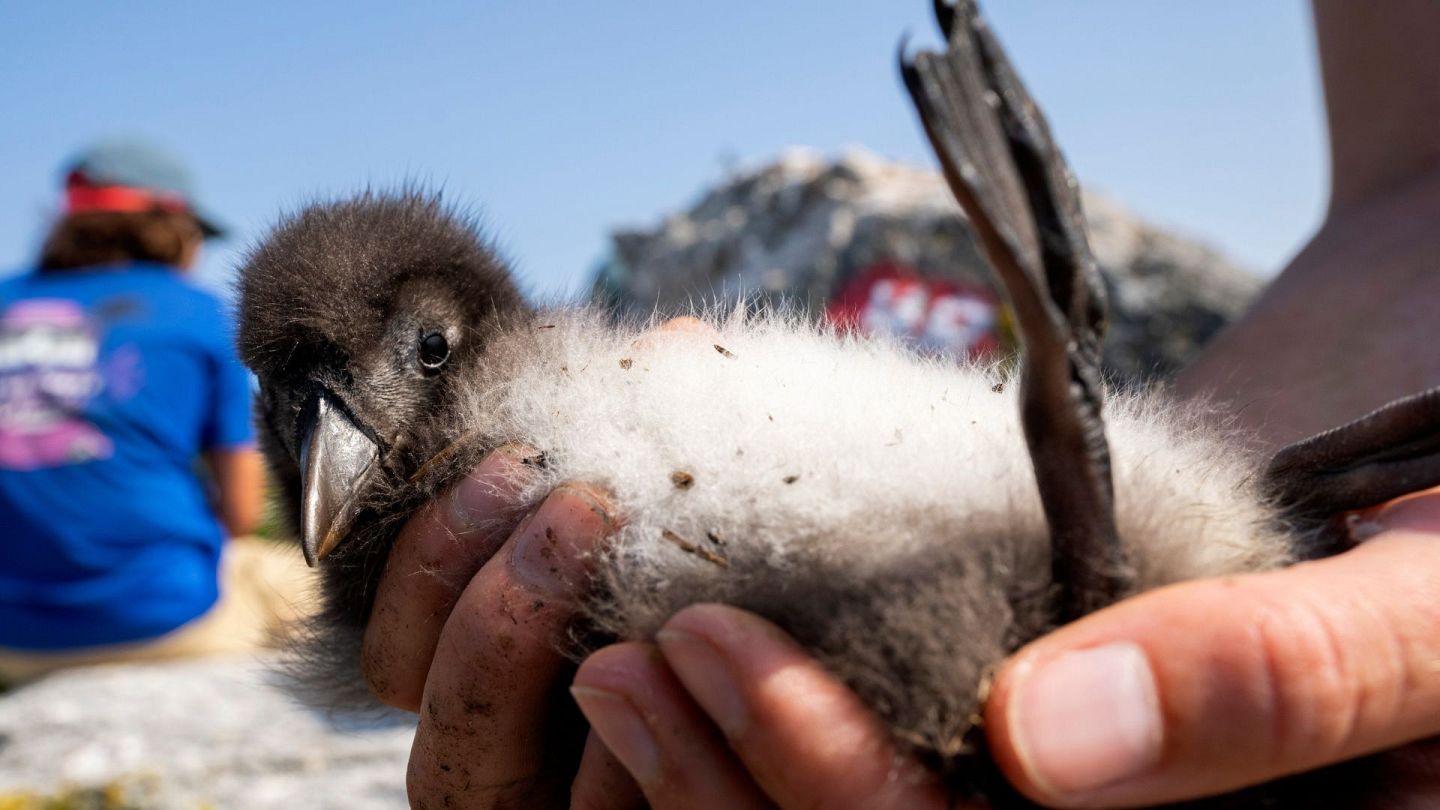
(910, 521)
(878, 505)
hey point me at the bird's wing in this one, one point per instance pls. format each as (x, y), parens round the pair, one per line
(997, 154)
(1390, 452)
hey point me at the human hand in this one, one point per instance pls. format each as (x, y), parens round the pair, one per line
(726, 711)
(1191, 690)
(1209, 686)
(465, 631)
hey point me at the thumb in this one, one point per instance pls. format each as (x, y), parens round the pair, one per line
(1209, 686)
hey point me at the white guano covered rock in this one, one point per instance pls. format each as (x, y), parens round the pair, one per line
(215, 733)
(798, 228)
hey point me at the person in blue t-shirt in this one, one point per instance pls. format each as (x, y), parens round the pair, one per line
(126, 451)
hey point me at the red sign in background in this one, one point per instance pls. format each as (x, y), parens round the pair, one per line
(939, 316)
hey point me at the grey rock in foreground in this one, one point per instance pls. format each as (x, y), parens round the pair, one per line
(215, 733)
(799, 228)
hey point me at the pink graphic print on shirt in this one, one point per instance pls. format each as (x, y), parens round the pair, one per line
(49, 370)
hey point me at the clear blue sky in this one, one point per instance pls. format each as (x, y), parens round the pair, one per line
(564, 119)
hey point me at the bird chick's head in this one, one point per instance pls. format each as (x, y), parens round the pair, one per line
(359, 317)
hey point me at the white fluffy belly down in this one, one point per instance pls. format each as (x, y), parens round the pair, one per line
(878, 505)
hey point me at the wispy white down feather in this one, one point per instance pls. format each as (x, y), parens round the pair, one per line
(879, 505)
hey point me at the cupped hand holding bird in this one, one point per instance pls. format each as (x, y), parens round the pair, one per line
(1183, 692)
(462, 632)
(1177, 694)
(1189, 690)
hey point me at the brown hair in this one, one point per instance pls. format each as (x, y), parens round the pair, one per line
(107, 237)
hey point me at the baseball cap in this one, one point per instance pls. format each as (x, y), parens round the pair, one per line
(133, 175)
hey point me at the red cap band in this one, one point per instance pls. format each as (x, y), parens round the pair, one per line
(80, 196)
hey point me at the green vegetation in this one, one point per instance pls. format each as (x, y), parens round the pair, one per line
(125, 793)
(113, 796)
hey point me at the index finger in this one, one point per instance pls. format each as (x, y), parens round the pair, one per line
(435, 555)
(496, 724)
(806, 739)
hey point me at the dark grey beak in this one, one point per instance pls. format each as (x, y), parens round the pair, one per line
(335, 459)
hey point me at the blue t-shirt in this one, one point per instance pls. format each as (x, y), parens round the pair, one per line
(113, 381)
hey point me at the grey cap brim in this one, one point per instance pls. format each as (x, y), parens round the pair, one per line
(209, 226)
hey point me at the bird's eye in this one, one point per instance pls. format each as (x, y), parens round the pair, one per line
(434, 351)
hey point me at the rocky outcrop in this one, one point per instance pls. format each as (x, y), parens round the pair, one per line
(807, 230)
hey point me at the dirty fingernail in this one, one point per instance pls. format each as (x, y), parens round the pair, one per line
(486, 497)
(688, 323)
(550, 548)
(624, 732)
(1087, 720)
(706, 675)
